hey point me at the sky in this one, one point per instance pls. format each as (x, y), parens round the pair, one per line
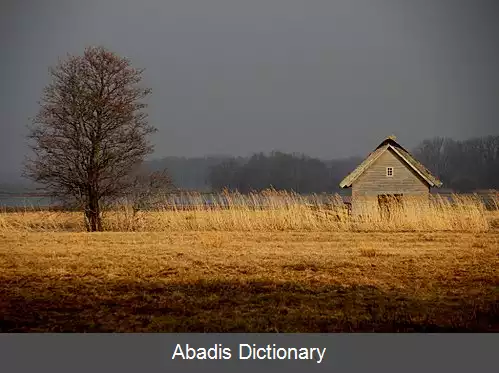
(329, 78)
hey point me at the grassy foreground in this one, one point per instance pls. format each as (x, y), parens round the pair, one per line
(267, 281)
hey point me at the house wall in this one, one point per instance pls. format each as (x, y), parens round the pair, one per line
(374, 180)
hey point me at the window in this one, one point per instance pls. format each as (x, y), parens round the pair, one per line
(389, 171)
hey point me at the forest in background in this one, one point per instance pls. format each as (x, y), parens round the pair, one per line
(463, 166)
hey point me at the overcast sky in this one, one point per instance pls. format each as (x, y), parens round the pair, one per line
(324, 77)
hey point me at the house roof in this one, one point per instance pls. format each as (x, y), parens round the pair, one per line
(387, 144)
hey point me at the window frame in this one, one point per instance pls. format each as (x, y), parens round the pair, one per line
(388, 169)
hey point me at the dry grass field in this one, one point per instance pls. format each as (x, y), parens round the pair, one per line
(282, 269)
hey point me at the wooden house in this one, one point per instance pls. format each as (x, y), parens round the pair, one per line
(389, 171)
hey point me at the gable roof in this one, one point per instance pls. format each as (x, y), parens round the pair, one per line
(390, 144)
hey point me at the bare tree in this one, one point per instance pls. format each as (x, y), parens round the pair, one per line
(91, 130)
(148, 189)
(437, 154)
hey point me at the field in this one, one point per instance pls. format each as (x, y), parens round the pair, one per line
(287, 269)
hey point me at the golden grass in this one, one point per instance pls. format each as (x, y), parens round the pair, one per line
(273, 211)
(264, 281)
(258, 263)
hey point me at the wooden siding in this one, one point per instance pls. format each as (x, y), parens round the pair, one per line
(404, 180)
(374, 182)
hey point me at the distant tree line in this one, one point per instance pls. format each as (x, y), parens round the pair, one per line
(279, 170)
(463, 166)
(188, 173)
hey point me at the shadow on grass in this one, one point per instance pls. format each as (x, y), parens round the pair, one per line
(76, 305)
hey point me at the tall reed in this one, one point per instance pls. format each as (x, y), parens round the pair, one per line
(271, 210)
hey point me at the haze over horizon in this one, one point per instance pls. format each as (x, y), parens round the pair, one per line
(326, 78)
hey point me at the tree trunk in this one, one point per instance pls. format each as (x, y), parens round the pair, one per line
(93, 215)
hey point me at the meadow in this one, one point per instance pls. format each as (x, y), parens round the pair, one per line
(268, 262)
